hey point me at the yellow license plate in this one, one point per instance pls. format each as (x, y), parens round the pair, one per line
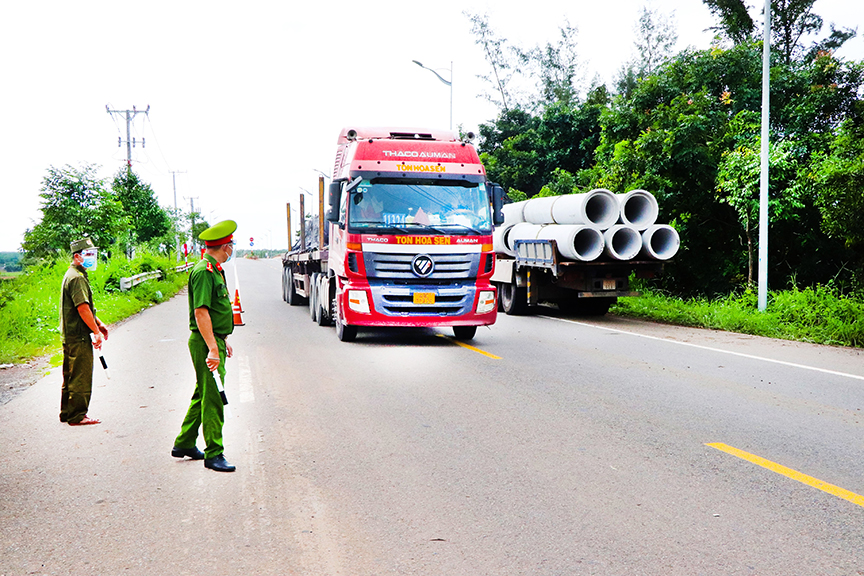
(424, 297)
(609, 284)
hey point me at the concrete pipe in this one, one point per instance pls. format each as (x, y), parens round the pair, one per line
(622, 242)
(638, 208)
(499, 240)
(597, 208)
(575, 241)
(521, 231)
(513, 213)
(660, 242)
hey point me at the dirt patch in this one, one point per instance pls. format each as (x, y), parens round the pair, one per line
(19, 377)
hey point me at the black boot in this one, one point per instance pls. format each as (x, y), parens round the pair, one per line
(192, 453)
(219, 464)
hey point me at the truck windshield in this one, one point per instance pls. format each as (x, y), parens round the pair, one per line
(420, 207)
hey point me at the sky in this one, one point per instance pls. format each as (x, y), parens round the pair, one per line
(247, 99)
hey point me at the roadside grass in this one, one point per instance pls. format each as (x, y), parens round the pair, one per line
(29, 304)
(819, 315)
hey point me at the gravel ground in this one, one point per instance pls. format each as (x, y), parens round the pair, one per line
(19, 377)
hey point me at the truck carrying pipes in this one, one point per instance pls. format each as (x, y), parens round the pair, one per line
(406, 237)
(578, 250)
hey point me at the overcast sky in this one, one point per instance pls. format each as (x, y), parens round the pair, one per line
(247, 99)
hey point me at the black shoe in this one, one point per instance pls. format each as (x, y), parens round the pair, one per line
(219, 464)
(192, 453)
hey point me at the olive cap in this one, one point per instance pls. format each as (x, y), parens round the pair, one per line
(82, 244)
(219, 234)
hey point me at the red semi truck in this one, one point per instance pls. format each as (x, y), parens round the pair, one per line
(407, 239)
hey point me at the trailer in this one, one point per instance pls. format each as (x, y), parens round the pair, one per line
(538, 274)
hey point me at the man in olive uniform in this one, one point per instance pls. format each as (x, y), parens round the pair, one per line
(78, 322)
(211, 320)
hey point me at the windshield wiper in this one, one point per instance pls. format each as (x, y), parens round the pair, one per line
(441, 228)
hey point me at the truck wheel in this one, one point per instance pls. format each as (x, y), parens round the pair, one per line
(323, 300)
(313, 297)
(514, 300)
(291, 295)
(344, 332)
(464, 332)
(284, 284)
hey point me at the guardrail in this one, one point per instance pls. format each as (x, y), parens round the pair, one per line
(127, 283)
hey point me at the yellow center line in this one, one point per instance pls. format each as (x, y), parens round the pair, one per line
(789, 473)
(463, 345)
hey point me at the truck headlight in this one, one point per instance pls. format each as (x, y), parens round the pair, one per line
(358, 302)
(485, 302)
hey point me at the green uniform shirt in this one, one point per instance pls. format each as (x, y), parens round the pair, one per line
(75, 291)
(207, 288)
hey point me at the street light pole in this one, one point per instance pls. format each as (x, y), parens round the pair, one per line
(447, 82)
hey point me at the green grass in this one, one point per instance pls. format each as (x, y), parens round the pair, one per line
(819, 315)
(29, 304)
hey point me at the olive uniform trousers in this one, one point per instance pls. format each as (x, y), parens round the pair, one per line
(205, 410)
(77, 380)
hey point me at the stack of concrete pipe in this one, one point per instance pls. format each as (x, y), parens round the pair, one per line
(590, 225)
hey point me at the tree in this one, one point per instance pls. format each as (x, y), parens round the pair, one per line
(738, 180)
(556, 66)
(494, 49)
(655, 39)
(75, 203)
(838, 184)
(735, 22)
(142, 210)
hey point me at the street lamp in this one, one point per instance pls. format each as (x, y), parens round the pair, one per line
(447, 82)
(321, 173)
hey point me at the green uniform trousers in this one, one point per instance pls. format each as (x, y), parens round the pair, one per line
(205, 409)
(77, 380)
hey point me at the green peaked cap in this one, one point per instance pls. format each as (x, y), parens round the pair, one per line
(219, 234)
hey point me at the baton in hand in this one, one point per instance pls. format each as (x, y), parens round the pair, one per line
(221, 392)
(101, 358)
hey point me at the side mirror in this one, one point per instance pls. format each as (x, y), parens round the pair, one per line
(497, 204)
(334, 196)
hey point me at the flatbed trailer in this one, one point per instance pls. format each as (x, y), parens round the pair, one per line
(538, 274)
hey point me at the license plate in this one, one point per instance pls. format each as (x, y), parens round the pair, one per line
(424, 297)
(609, 284)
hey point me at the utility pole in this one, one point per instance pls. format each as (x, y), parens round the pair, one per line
(174, 180)
(192, 228)
(130, 142)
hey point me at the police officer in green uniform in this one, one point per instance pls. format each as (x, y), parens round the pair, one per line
(211, 321)
(78, 322)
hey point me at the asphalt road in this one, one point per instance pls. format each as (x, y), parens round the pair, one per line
(554, 446)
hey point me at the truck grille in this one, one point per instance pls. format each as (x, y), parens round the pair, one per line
(398, 300)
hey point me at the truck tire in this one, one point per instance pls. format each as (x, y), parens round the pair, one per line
(285, 284)
(291, 295)
(344, 332)
(323, 300)
(464, 332)
(313, 297)
(514, 300)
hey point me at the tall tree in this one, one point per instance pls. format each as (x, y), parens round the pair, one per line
(75, 203)
(735, 23)
(656, 36)
(142, 210)
(556, 66)
(495, 51)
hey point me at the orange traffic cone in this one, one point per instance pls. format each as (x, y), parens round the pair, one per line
(237, 301)
(238, 320)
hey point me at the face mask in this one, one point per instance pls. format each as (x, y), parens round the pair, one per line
(90, 259)
(231, 257)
